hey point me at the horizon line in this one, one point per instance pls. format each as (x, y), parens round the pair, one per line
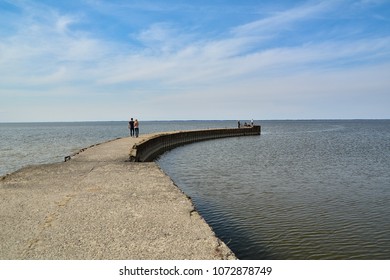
(199, 120)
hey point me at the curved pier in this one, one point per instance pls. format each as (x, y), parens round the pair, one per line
(98, 205)
(149, 149)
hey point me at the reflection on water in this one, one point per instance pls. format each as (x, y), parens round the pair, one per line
(302, 190)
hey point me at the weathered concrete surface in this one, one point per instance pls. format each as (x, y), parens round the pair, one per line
(97, 206)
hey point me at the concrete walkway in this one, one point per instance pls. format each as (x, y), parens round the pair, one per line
(97, 206)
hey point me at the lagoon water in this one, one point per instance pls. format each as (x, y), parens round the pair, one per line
(301, 190)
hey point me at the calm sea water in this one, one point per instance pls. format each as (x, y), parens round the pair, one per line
(301, 190)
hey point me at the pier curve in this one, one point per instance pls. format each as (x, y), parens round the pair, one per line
(150, 148)
(98, 205)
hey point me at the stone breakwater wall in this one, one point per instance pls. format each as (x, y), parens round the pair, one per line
(151, 148)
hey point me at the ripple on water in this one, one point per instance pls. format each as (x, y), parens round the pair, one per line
(295, 192)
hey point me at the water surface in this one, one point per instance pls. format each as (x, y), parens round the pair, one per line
(302, 190)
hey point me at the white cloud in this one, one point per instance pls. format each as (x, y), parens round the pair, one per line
(178, 70)
(64, 22)
(284, 19)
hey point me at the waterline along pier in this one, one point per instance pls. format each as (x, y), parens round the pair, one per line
(150, 148)
(109, 201)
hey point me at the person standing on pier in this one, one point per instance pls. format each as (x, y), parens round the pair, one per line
(136, 127)
(131, 127)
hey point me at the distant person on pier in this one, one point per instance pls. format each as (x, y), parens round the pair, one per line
(252, 122)
(238, 124)
(136, 127)
(131, 127)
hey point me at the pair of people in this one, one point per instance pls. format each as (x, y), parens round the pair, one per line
(134, 127)
(245, 125)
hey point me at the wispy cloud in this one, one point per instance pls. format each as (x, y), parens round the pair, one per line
(60, 52)
(284, 19)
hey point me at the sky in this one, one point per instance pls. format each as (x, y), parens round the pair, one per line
(101, 60)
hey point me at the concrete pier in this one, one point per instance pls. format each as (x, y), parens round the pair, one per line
(150, 148)
(98, 205)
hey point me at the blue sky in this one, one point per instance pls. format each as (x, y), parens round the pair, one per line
(163, 60)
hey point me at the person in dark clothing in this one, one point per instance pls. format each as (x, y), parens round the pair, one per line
(131, 127)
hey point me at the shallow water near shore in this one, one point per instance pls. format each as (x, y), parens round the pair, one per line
(301, 190)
